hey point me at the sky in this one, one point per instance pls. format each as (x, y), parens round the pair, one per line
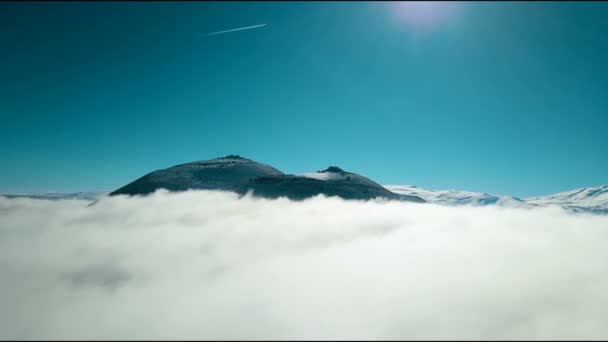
(499, 97)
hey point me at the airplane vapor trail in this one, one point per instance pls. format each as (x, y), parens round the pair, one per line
(236, 29)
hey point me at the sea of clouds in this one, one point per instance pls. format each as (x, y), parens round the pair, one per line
(210, 265)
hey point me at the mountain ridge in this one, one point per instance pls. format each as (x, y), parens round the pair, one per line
(246, 176)
(589, 199)
(242, 175)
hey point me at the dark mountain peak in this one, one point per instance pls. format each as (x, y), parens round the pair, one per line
(242, 175)
(333, 169)
(233, 156)
(229, 159)
(229, 173)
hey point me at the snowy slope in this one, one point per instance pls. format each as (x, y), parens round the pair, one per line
(594, 199)
(456, 197)
(590, 199)
(85, 196)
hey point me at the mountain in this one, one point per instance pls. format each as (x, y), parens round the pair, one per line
(456, 197)
(241, 175)
(245, 176)
(590, 199)
(85, 196)
(230, 173)
(332, 181)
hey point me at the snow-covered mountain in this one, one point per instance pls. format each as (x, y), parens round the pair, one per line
(590, 199)
(456, 197)
(593, 199)
(54, 196)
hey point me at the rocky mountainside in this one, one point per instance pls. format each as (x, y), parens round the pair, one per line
(230, 173)
(332, 181)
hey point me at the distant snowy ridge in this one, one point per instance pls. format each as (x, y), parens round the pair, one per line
(593, 199)
(456, 197)
(86, 196)
(590, 199)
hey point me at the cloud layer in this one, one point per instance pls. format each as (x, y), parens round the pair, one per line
(208, 265)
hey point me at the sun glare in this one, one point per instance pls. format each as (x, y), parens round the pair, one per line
(425, 15)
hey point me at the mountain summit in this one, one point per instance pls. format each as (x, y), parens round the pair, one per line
(230, 173)
(242, 175)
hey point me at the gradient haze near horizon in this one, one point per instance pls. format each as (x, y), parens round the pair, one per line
(506, 98)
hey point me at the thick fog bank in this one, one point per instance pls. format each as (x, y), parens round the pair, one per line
(204, 265)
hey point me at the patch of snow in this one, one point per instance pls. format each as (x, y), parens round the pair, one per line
(324, 176)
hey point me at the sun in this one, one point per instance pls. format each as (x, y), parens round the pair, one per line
(425, 15)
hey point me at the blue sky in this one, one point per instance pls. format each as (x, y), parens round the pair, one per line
(507, 98)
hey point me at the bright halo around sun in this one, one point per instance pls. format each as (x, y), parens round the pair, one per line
(425, 15)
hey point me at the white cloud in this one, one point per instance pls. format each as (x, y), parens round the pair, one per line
(203, 265)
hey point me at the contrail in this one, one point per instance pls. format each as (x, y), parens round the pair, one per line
(236, 29)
